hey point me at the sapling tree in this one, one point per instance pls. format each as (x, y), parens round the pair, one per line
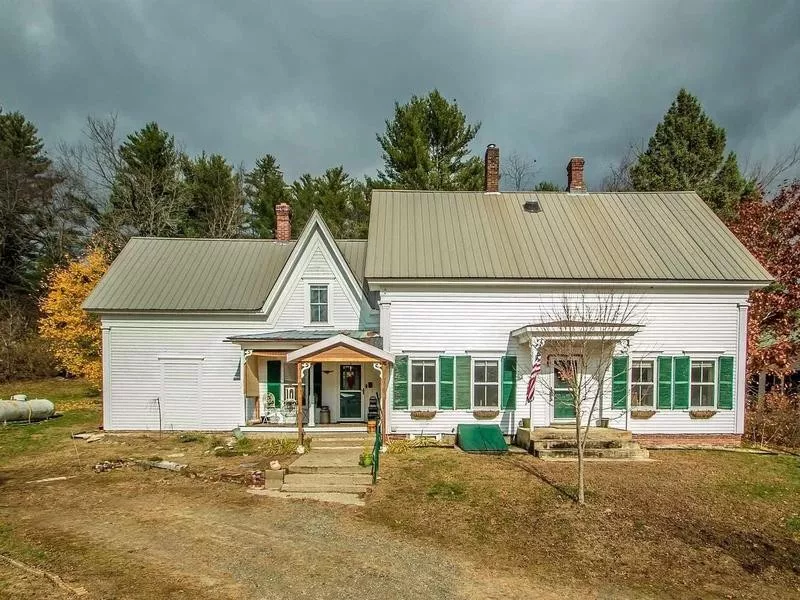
(580, 338)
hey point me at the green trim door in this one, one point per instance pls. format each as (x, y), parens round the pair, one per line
(350, 392)
(563, 398)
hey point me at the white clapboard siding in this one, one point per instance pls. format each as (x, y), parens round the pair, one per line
(138, 347)
(450, 322)
(344, 310)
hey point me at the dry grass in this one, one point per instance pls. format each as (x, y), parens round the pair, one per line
(690, 524)
(441, 524)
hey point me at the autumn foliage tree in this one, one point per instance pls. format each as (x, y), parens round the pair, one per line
(73, 334)
(770, 229)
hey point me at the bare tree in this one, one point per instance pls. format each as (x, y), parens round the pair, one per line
(520, 169)
(127, 201)
(619, 177)
(585, 332)
(765, 175)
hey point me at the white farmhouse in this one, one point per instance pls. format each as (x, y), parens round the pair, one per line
(435, 319)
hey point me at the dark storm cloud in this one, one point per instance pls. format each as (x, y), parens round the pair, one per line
(312, 83)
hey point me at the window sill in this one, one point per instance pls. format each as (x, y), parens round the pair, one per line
(702, 414)
(485, 413)
(642, 413)
(421, 414)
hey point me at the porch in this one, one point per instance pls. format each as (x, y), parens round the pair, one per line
(313, 382)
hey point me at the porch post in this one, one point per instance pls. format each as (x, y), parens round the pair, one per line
(299, 398)
(384, 404)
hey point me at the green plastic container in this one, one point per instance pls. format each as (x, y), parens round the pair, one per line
(486, 439)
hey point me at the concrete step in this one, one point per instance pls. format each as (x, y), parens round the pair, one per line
(324, 488)
(594, 433)
(341, 442)
(329, 478)
(333, 497)
(340, 469)
(590, 444)
(608, 453)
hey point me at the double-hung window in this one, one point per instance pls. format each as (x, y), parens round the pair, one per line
(486, 384)
(319, 303)
(423, 384)
(703, 383)
(643, 384)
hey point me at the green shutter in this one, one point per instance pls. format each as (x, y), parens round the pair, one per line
(463, 382)
(680, 381)
(725, 383)
(665, 382)
(446, 382)
(619, 382)
(400, 389)
(509, 400)
(274, 382)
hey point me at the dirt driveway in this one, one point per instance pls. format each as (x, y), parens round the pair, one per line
(135, 534)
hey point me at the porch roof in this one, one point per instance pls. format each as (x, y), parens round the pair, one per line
(339, 348)
(308, 335)
(575, 329)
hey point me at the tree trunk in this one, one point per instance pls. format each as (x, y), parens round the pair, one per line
(579, 439)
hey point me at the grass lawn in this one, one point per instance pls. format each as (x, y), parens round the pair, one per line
(440, 524)
(688, 524)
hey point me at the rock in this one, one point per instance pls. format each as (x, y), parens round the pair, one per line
(275, 465)
(95, 438)
(301, 449)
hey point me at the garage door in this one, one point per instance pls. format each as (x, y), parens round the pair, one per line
(180, 394)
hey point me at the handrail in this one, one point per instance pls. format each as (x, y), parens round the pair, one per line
(376, 447)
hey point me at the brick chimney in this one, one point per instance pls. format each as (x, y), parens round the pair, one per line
(575, 175)
(283, 222)
(492, 173)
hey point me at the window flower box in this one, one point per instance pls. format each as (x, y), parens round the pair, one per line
(423, 414)
(485, 413)
(702, 414)
(642, 413)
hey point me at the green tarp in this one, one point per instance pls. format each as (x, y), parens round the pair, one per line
(481, 438)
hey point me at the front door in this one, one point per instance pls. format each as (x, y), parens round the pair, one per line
(350, 393)
(563, 397)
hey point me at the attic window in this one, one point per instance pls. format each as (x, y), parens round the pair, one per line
(532, 206)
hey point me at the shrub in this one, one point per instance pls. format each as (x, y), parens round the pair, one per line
(774, 420)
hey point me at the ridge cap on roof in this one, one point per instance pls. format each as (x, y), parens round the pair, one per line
(208, 239)
(562, 192)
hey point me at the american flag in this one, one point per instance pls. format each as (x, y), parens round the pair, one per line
(535, 370)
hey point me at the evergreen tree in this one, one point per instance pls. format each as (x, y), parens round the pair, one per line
(687, 152)
(547, 186)
(27, 187)
(342, 202)
(215, 198)
(265, 188)
(426, 147)
(148, 196)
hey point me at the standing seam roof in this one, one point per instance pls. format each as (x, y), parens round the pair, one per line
(650, 236)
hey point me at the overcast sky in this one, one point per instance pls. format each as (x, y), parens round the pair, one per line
(312, 82)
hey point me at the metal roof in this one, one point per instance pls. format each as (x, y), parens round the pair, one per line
(650, 236)
(200, 274)
(302, 335)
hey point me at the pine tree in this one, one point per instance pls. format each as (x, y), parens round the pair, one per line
(148, 196)
(547, 186)
(265, 188)
(687, 152)
(27, 186)
(215, 198)
(426, 147)
(342, 201)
